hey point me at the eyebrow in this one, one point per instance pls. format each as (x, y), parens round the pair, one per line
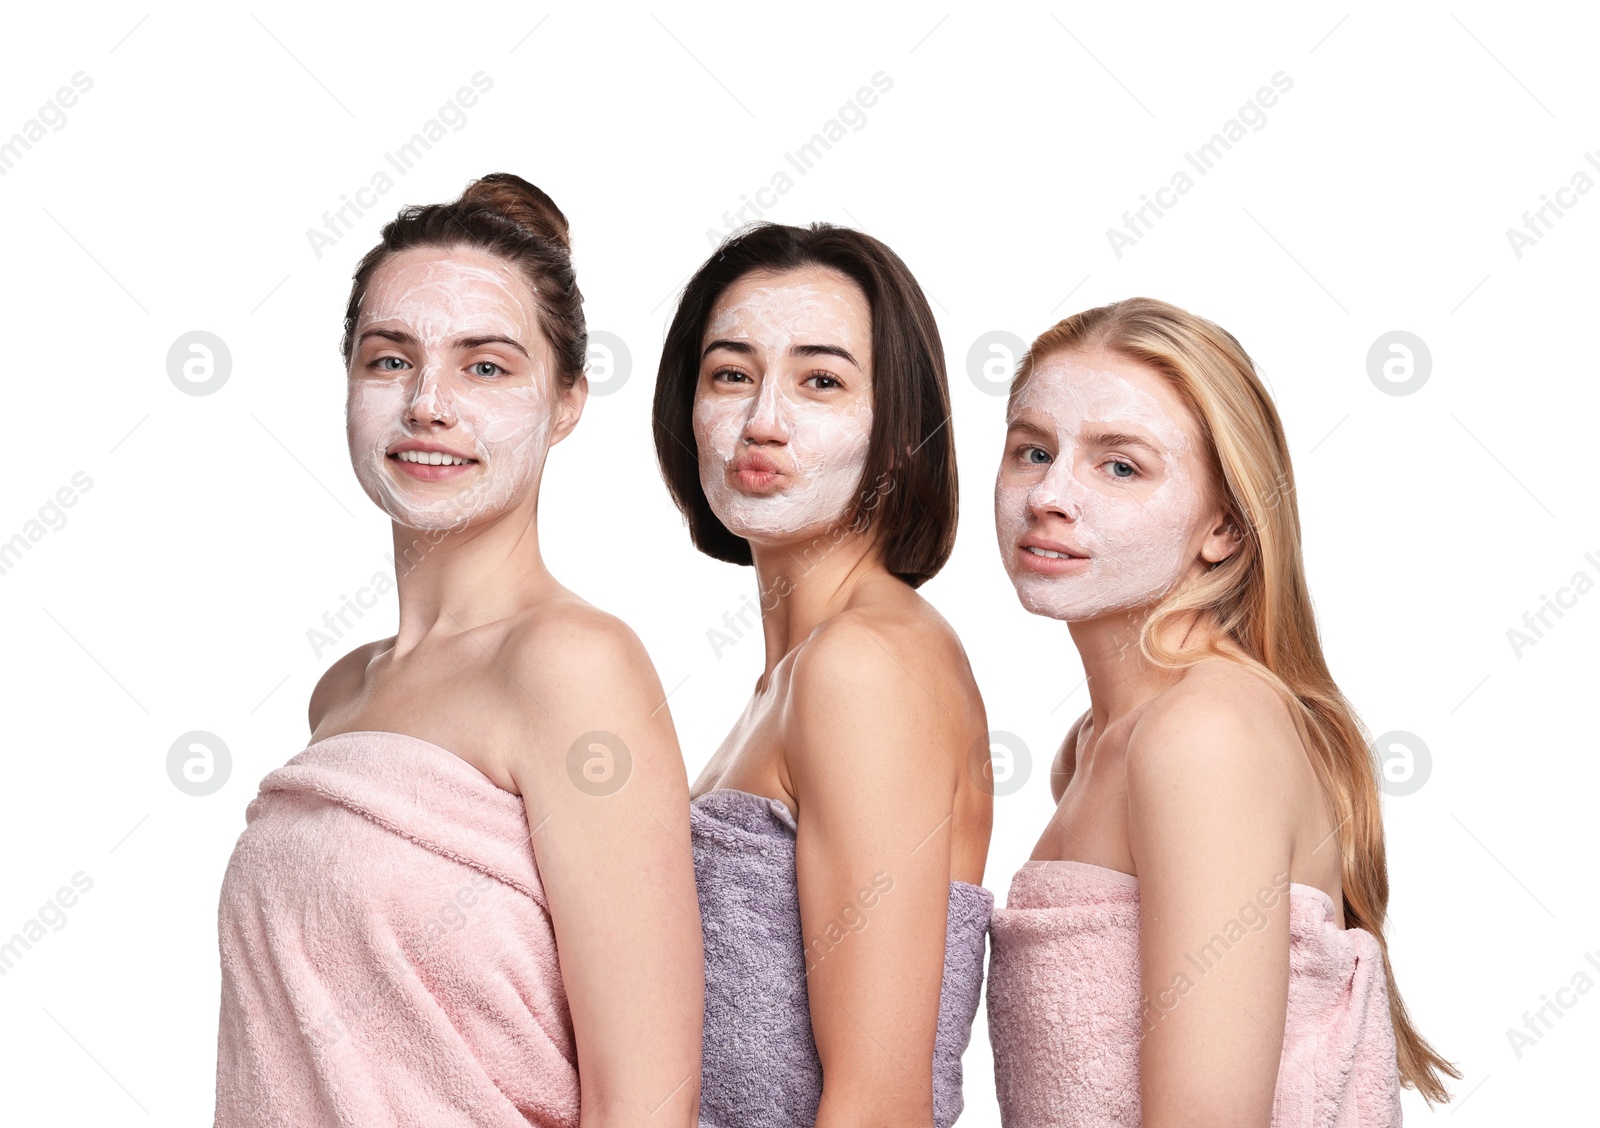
(731, 346)
(1095, 438)
(1122, 438)
(401, 337)
(491, 339)
(824, 350)
(394, 335)
(1033, 429)
(747, 349)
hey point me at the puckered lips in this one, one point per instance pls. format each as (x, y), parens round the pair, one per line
(756, 472)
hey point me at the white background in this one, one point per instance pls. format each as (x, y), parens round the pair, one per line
(219, 528)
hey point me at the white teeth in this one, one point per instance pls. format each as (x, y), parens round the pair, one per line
(430, 458)
(1052, 555)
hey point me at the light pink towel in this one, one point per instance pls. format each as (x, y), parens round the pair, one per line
(1065, 1008)
(387, 953)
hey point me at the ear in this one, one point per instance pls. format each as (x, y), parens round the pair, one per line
(1223, 540)
(569, 407)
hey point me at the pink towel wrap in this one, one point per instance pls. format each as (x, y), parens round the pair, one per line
(387, 953)
(1065, 1013)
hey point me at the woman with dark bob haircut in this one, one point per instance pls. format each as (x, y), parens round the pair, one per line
(802, 422)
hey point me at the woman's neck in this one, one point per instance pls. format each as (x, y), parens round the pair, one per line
(807, 581)
(1121, 679)
(451, 581)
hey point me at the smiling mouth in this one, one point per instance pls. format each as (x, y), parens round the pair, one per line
(430, 458)
(1048, 553)
(430, 465)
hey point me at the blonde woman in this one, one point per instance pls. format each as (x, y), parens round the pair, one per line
(1198, 937)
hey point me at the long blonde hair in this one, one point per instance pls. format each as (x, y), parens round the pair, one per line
(1258, 595)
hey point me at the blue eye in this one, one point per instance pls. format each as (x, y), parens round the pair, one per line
(486, 364)
(1133, 471)
(379, 363)
(1029, 452)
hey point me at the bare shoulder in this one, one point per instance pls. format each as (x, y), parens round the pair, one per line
(1223, 721)
(573, 672)
(885, 643)
(1216, 782)
(342, 681)
(572, 649)
(894, 675)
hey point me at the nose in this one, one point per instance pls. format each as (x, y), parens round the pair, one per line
(430, 400)
(1057, 493)
(768, 421)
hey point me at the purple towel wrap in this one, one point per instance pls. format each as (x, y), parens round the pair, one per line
(760, 1065)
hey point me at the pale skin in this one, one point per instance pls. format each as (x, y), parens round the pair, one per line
(866, 721)
(1195, 781)
(502, 665)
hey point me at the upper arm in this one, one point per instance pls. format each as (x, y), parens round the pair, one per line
(1209, 830)
(875, 761)
(608, 807)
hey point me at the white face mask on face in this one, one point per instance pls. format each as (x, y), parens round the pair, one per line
(491, 404)
(783, 439)
(1128, 513)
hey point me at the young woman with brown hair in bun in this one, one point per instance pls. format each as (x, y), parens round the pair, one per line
(470, 899)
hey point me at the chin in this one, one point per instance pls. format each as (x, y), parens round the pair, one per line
(776, 533)
(1044, 607)
(1041, 596)
(430, 522)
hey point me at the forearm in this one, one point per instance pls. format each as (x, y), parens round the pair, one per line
(883, 1106)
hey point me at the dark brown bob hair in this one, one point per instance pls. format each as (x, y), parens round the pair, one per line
(908, 487)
